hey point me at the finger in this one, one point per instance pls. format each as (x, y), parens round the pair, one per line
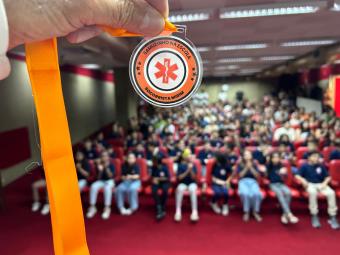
(160, 5)
(83, 34)
(132, 15)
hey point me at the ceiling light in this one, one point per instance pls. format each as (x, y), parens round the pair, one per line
(242, 47)
(91, 66)
(234, 60)
(203, 49)
(307, 43)
(297, 7)
(276, 58)
(250, 71)
(227, 67)
(178, 17)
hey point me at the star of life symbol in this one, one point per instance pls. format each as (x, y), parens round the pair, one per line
(166, 71)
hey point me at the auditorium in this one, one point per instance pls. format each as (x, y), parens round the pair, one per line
(169, 127)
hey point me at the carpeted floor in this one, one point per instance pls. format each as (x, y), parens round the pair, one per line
(25, 233)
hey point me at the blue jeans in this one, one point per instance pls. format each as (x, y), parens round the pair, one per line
(128, 189)
(251, 197)
(220, 192)
(283, 195)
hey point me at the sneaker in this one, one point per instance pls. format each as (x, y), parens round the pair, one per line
(284, 219)
(91, 212)
(257, 217)
(178, 216)
(45, 210)
(106, 213)
(292, 218)
(129, 211)
(333, 222)
(194, 216)
(216, 208)
(35, 206)
(316, 222)
(160, 213)
(246, 217)
(225, 210)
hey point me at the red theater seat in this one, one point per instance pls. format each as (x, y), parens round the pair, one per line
(300, 152)
(326, 152)
(144, 173)
(334, 172)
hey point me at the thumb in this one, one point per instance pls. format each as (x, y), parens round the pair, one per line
(136, 16)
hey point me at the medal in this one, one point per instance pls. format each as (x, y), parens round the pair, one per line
(166, 71)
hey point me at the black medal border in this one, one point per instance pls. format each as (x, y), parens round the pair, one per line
(196, 86)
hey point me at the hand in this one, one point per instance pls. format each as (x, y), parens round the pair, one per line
(323, 186)
(283, 171)
(155, 181)
(100, 168)
(37, 20)
(304, 184)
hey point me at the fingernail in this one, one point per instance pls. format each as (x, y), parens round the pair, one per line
(153, 23)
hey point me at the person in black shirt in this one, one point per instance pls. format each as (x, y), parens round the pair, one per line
(83, 170)
(89, 151)
(160, 182)
(276, 173)
(129, 186)
(205, 154)
(105, 180)
(221, 176)
(315, 179)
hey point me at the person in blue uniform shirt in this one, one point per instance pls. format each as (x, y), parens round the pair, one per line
(232, 156)
(248, 187)
(139, 151)
(205, 154)
(160, 183)
(221, 176)
(276, 173)
(129, 186)
(105, 171)
(315, 179)
(83, 170)
(187, 181)
(89, 151)
(335, 154)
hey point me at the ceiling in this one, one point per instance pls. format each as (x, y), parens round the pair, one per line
(273, 30)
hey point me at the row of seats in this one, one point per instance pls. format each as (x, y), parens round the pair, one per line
(206, 182)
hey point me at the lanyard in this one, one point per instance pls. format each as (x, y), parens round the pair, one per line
(68, 227)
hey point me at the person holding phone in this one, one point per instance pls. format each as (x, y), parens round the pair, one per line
(187, 181)
(105, 180)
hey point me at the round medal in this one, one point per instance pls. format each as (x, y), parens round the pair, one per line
(166, 71)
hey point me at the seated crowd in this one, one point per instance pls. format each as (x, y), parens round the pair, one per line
(253, 150)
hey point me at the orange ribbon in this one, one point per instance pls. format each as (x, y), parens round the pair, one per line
(69, 237)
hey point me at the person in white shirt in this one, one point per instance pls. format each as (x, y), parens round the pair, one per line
(285, 130)
(27, 21)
